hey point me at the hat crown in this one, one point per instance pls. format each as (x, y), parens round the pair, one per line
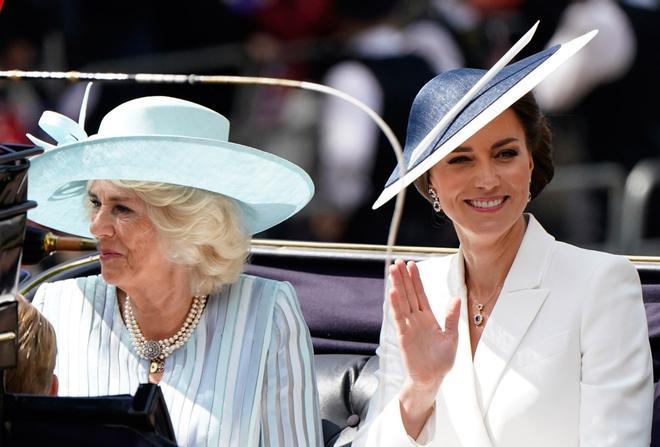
(164, 116)
(435, 99)
(164, 140)
(441, 93)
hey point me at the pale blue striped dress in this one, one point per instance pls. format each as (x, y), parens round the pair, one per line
(244, 378)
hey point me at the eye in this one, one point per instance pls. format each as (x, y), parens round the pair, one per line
(95, 203)
(122, 209)
(507, 153)
(458, 159)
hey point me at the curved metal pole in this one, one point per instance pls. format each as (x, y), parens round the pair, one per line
(75, 76)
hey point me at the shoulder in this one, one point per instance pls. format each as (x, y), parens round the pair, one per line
(274, 303)
(282, 296)
(593, 280)
(261, 285)
(560, 263)
(591, 263)
(70, 289)
(264, 292)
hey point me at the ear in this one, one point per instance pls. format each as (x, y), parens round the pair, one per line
(54, 386)
(429, 178)
(531, 162)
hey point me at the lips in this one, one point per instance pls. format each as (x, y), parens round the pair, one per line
(487, 203)
(107, 254)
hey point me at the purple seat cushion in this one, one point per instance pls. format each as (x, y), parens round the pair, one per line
(344, 313)
(652, 304)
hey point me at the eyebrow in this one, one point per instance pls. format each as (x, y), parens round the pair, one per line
(111, 198)
(502, 142)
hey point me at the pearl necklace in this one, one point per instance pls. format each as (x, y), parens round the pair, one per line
(156, 351)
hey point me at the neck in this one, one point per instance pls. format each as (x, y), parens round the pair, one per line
(160, 308)
(488, 261)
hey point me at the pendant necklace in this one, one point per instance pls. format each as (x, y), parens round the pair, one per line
(479, 318)
(156, 351)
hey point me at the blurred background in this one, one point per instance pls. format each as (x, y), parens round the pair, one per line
(604, 107)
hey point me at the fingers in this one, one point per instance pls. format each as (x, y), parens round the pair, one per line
(452, 315)
(398, 278)
(416, 281)
(408, 285)
(398, 302)
(405, 278)
(400, 313)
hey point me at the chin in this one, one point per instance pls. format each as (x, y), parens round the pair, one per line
(111, 276)
(489, 226)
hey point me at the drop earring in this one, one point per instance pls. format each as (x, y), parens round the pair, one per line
(436, 203)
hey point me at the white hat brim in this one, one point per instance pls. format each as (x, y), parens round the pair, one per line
(268, 188)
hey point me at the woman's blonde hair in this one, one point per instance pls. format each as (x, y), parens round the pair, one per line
(200, 229)
(37, 352)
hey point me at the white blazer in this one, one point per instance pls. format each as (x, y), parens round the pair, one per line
(564, 359)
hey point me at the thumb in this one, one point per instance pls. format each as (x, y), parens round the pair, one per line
(451, 317)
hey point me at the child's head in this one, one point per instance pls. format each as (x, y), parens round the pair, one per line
(37, 351)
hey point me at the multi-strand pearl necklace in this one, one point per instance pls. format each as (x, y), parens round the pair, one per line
(156, 351)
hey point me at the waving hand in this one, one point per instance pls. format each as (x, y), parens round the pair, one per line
(428, 351)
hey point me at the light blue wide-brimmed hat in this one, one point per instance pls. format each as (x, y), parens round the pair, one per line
(456, 104)
(159, 139)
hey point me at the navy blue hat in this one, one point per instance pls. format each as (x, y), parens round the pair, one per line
(456, 104)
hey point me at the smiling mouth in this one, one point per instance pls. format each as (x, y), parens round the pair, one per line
(489, 204)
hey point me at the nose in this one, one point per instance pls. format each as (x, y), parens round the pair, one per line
(101, 224)
(487, 177)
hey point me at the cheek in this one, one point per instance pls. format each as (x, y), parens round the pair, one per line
(141, 239)
(519, 174)
(445, 183)
(521, 178)
(146, 244)
(449, 189)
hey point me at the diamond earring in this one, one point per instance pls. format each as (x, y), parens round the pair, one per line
(436, 203)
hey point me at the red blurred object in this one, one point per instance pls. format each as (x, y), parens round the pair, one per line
(295, 19)
(11, 130)
(2, 2)
(495, 6)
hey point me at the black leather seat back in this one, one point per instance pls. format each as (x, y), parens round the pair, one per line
(345, 383)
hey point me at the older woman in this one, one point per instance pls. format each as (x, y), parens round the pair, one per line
(172, 204)
(518, 339)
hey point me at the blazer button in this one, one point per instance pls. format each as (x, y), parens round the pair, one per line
(353, 420)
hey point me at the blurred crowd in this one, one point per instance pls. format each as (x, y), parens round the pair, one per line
(381, 52)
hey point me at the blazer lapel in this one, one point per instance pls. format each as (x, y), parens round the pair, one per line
(458, 388)
(515, 310)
